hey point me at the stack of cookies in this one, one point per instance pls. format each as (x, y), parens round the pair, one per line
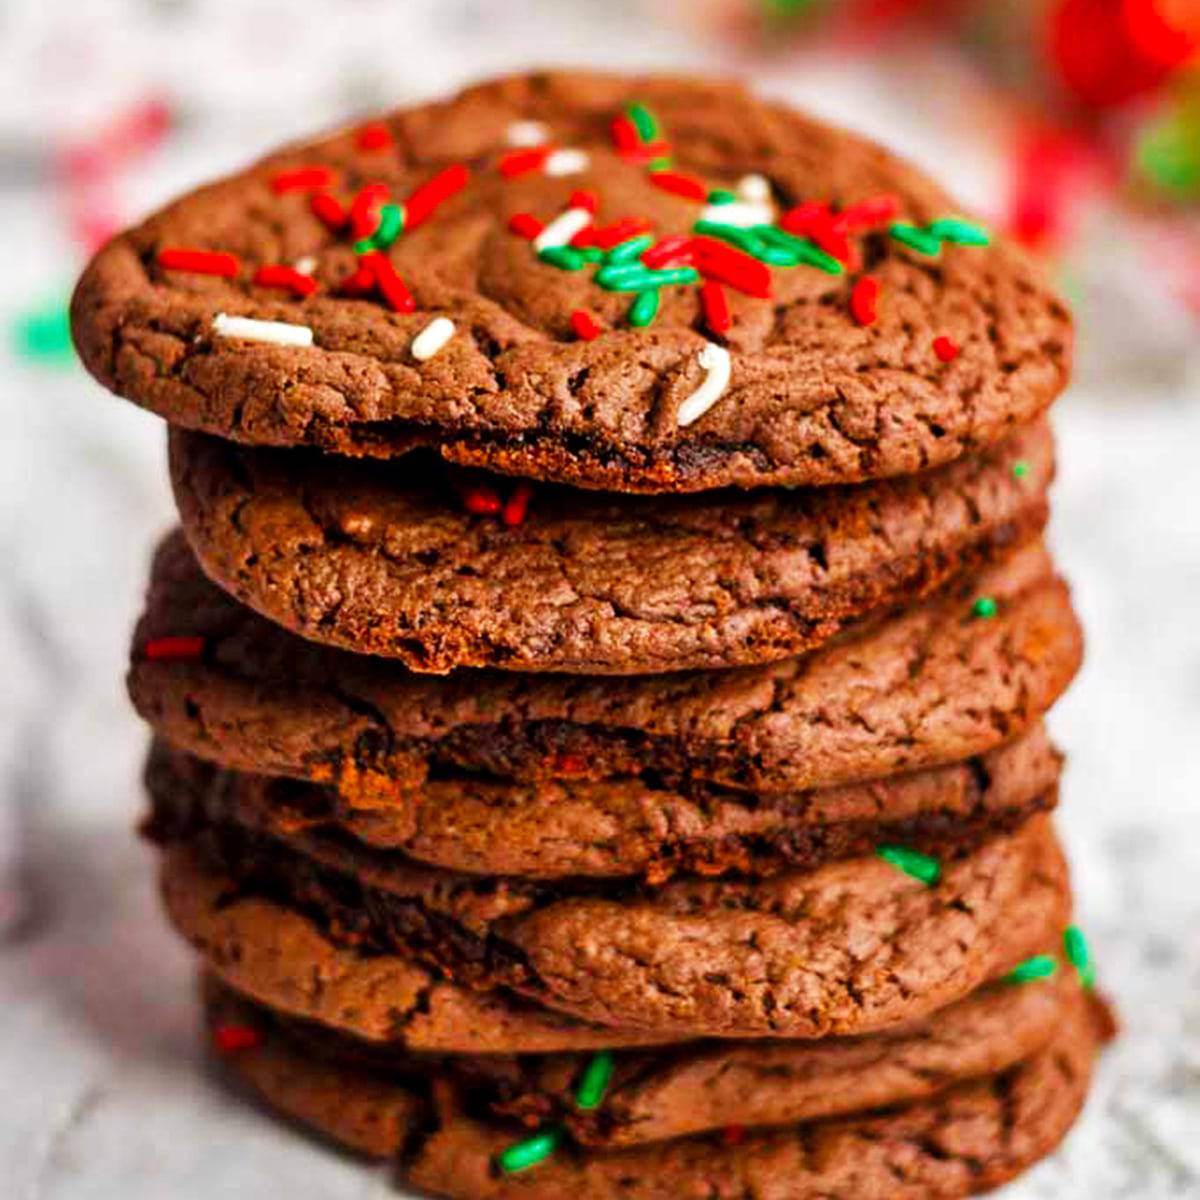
(598, 686)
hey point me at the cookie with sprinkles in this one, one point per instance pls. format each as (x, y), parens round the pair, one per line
(849, 947)
(632, 284)
(932, 685)
(630, 827)
(969, 1136)
(627, 1097)
(440, 568)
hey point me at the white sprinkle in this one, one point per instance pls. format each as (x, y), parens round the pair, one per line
(278, 332)
(755, 188)
(527, 133)
(715, 361)
(306, 265)
(432, 338)
(563, 228)
(740, 213)
(567, 162)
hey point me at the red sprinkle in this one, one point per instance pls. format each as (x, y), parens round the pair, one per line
(521, 162)
(327, 209)
(570, 764)
(727, 265)
(302, 179)
(583, 199)
(625, 135)
(285, 277)
(202, 262)
(389, 283)
(799, 219)
(421, 204)
(517, 505)
(945, 348)
(584, 325)
(364, 209)
(649, 151)
(863, 299)
(525, 225)
(608, 236)
(716, 306)
(360, 282)
(679, 184)
(481, 500)
(375, 136)
(232, 1039)
(877, 210)
(675, 248)
(733, 1135)
(815, 220)
(174, 649)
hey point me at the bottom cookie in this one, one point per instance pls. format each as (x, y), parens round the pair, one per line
(967, 1139)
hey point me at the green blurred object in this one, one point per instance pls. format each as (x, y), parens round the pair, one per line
(44, 334)
(1168, 153)
(789, 8)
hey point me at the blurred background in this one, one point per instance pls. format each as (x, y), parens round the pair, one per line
(1074, 124)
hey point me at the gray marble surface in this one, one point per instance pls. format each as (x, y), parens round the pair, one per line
(103, 1091)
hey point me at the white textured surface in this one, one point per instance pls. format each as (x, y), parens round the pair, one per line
(102, 1090)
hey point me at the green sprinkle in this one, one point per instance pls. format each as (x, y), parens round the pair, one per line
(735, 235)
(916, 239)
(661, 164)
(631, 250)
(722, 196)
(44, 334)
(985, 608)
(912, 862)
(614, 277)
(565, 258)
(633, 277)
(1079, 956)
(592, 254)
(645, 123)
(530, 1152)
(777, 256)
(596, 1078)
(644, 309)
(671, 276)
(1040, 966)
(1020, 469)
(803, 249)
(391, 225)
(963, 233)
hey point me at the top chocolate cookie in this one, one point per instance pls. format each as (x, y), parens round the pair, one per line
(644, 285)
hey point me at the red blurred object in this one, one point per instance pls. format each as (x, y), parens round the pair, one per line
(139, 129)
(1107, 52)
(1164, 31)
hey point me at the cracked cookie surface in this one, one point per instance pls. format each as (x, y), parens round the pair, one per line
(662, 1093)
(965, 1139)
(625, 827)
(934, 684)
(851, 947)
(814, 397)
(383, 558)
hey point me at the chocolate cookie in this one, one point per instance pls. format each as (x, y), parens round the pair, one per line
(682, 287)
(268, 951)
(623, 827)
(382, 560)
(281, 959)
(968, 1138)
(955, 676)
(656, 1094)
(851, 947)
